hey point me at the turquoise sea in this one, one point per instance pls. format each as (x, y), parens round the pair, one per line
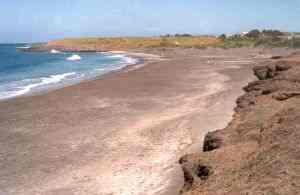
(26, 72)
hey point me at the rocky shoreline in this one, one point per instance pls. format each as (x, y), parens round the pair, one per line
(259, 151)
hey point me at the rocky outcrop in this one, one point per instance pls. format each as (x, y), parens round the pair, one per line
(211, 142)
(194, 172)
(281, 96)
(282, 67)
(259, 151)
(264, 72)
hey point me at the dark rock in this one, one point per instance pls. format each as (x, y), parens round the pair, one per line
(188, 178)
(203, 172)
(261, 72)
(194, 171)
(252, 103)
(211, 142)
(264, 72)
(276, 57)
(187, 174)
(183, 160)
(285, 95)
(253, 86)
(280, 96)
(282, 67)
(266, 92)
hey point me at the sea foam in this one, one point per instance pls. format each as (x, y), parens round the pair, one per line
(45, 75)
(54, 51)
(124, 59)
(117, 56)
(24, 47)
(74, 57)
(27, 85)
(129, 60)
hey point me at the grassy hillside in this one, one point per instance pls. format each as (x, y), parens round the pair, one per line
(265, 38)
(133, 42)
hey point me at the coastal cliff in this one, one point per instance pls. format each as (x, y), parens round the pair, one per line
(259, 151)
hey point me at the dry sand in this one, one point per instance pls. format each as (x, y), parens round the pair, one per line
(124, 132)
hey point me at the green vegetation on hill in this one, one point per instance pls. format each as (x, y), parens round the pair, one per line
(235, 41)
(254, 38)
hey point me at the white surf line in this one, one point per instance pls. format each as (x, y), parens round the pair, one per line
(138, 54)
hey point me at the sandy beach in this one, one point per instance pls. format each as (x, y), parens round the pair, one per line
(123, 132)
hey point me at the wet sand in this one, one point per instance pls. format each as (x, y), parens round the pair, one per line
(121, 133)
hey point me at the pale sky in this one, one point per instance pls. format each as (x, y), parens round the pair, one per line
(43, 20)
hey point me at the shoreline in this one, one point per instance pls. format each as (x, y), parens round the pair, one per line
(122, 133)
(141, 59)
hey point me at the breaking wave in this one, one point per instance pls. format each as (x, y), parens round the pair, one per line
(22, 87)
(40, 71)
(74, 57)
(54, 51)
(124, 59)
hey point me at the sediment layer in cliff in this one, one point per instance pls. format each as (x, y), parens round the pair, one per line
(259, 151)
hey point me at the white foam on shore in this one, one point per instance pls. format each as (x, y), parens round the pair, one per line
(21, 87)
(24, 47)
(74, 57)
(34, 83)
(124, 59)
(129, 60)
(54, 51)
(116, 56)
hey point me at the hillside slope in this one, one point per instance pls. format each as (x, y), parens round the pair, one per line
(125, 43)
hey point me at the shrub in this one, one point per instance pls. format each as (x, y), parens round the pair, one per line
(294, 42)
(222, 37)
(183, 35)
(272, 33)
(253, 33)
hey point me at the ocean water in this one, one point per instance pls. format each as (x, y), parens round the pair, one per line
(26, 72)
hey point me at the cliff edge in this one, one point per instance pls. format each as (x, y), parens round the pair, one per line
(259, 151)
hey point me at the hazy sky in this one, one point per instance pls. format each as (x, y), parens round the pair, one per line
(42, 20)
